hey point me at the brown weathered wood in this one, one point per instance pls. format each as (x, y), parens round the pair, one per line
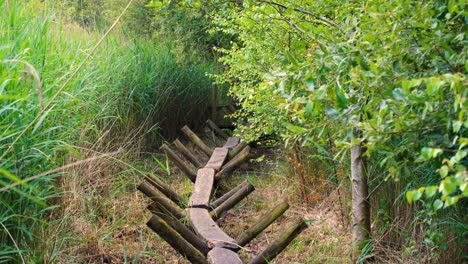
(188, 154)
(197, 141)
(231, 142)
(203, 188)
(234, 162)
(225, 196)
(232, 108)
(243, 192)
(216, 129)
(156, 197)
(207, 228)
(184, 167)
(223, 256)
(171, 236)
(184, 231)
(165, 189)
(281, 243)
(237, 149)
(263, 222)
(217, 159)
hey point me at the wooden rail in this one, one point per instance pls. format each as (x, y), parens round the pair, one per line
(208, 243)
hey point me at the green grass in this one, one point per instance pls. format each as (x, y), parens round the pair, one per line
(119, 100)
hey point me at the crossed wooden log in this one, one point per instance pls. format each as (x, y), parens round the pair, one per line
(204, 241)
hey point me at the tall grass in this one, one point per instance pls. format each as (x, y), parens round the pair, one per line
(126, 92)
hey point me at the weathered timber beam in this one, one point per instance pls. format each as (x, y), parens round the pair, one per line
(281, 243)
(165, 189)
(216, 129)
(171, 236)
(225, 196)
(186, 233)
(234, 163)
(220, 255)
(188, 154)
(156, 197)
(180, 163)
(231, 142)
(203, 188)
(263, 222)
(237, 149)
(197, 141)
(217, 159)
(243, 192)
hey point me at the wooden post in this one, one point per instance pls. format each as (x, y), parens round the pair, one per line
(186, 233)
(234, 163)
(197, 141)
(188, 154)
(180, 163)
(263, 222)
(360, 228)
(225, 196)
(237, 149)
(232, 201)
(165, 189)
(157, 198)
(216, 129)
(171, 236)
(281, 243)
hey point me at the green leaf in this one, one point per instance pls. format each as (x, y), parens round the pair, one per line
(341, 98)
(409, 196)
(430, 191)
(447, 186)
(443, 171)
(451, 201)
(295, 129)
(438, 204)
(429, 153)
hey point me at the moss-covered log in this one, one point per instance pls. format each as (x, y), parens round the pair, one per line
(216, 129)
(234, 163)
(165, 189)
(262, 223)
(171, 236)
(188, 154)
(243, 192)
(226, 196)
(197, 141)
(156, 197)
(183, 166)
(281, 243)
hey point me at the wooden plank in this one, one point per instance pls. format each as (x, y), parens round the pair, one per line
(231, 142)
(207, 228)
(216, 129)
(203, 188)
(217, 159)
(187, 154)
(197, 141)
(223, 256)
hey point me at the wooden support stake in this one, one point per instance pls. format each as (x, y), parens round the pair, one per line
(180, 163)
(156, 197)
(281, 243)
(232, 108)
(197, 141)
(171, 236)
(187, 154)
(165, 189)
(186, 233)
(225, 196)
(232, 201)
(216, 129)
(234, 163)
(237, 149)
(263, 222)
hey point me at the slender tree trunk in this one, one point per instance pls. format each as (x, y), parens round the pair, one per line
(360, 228)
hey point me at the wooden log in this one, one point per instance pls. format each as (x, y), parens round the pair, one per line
(216, 129)
(180, 163)
(165, 189)
(203, 188)
(231, 142)
(207, 228)
(243, 192)
(217, 159)
(171, 236)
(232, 108)
(197, 141)
(281, 243)
(223, 256)
(225, 196)
(156, 197)
(188, 154)
(234, 163)
(237, 149)
(263, 222)
(186, 233)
